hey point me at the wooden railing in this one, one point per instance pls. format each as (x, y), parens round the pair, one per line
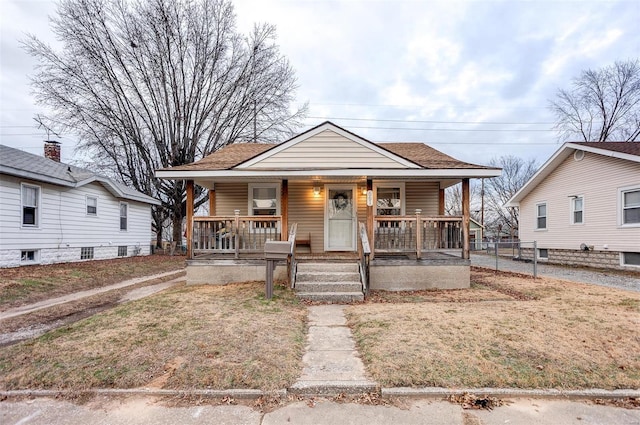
(417, 234)
(233, 234)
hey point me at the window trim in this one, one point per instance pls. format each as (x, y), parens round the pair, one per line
(126, 217)
(86, 200)
(621, 192)
(390, 184)
(37, 206)
(268, 185)
(546, 216)
(572, 210)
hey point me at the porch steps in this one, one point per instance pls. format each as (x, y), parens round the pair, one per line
(329, 282)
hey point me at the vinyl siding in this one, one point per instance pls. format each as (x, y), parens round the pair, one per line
(327, 150)
(230, 197)
(63, 222)
(422, 195)
(598, 179)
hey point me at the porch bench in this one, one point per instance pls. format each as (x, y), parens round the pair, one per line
(304, 241)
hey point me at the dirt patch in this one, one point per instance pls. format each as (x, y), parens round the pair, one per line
(534, 333)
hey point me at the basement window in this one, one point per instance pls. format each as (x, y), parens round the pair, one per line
(29, 256)
(122, 251)
(631, 259)
(543, 253)
(86, 253)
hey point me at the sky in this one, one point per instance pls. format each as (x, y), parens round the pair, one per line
(470, 78)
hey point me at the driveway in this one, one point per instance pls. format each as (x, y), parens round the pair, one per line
(613, 279)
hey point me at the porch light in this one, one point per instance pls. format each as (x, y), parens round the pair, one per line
(364, 190)
(316, 190)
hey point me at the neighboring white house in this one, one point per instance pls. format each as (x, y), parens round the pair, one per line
(583, 206)
(52, 212)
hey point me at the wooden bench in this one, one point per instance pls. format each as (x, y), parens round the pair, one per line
(304, 240)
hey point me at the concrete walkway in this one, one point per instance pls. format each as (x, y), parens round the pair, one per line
(331, 363)
(30, 308)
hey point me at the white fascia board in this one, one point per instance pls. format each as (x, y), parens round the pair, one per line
(318, 130)
(605, 152)
(546, 169)
(35, 176)
(385, 172)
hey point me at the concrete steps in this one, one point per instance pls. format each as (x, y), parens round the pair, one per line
(329, 282)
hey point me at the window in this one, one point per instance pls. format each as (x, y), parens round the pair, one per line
(86, 253)
(123, 216)
(122, 251)
(543, 253)
(577, 210)
(541, 215)
(30, 203)
(389, 199)
(263, 199)
(630, 206)
(631, 258)
(29, 256)
(92, 205)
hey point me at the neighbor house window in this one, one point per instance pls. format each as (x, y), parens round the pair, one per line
(30, 205)
(630, 200)
(631, 259)
(122, 251)
(541, 216)
(577, 210)
(543, 253)
(123, 216)
(86, 253)
(92, 205)
(29, 256)
(389, 199)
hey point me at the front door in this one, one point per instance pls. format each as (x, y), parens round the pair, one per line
(340, 218)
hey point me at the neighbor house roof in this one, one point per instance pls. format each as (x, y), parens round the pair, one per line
(15, 162)
(629, 151)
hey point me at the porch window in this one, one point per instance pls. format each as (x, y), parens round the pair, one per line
(264, 199)
(630, 200)
(389, 199)
(541, 216)
(577, 210)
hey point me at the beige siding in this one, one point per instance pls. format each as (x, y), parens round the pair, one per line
(232, 196)
(327, 150)
(596, 177)
(422, 195)
(308, 211)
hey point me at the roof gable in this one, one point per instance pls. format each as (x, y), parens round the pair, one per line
(629, 151)
(327, 146)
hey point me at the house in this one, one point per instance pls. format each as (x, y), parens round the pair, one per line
(582, 207)
(51, 212)
(476, 233)
(344, 196)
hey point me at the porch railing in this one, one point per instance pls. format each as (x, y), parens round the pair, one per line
(417, 234)
(233, 234)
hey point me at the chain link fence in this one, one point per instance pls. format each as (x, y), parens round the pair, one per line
(511, 255)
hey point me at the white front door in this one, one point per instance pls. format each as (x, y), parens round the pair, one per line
(340, 218)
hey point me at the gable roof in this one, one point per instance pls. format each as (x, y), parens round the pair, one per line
(629, 151)
(15, 162)
(398, 155)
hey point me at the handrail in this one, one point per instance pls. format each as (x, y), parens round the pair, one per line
(365, 256)
(292, 264)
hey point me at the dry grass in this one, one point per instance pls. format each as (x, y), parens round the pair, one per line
(25, 285)
(508, 330)
(214, 337)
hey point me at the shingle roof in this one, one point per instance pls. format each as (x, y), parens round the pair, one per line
(631, 148)
(234, 154)
(27, 165)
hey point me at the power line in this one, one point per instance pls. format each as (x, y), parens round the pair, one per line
(432, 122)
(453, 129)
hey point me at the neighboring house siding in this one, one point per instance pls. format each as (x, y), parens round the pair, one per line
(64, 227)
(327, 150)
(598, 179)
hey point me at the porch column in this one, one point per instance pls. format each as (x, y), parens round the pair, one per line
(284, 210)
(370, 214)
(465, 219)
(212, 201)
(441, 202)
(189, 217)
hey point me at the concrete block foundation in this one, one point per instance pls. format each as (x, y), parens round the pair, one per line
(415, 276)
(222, 272)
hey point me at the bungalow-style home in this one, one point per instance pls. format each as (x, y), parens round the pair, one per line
(51, 212)
(582, 207)
(377, 206)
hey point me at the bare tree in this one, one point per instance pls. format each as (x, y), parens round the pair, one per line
(148, 84)
(453, 200)
(602, 105)
(498, 190)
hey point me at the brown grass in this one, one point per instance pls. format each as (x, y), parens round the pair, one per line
(25, 285)
(214, 337)
(546, 333)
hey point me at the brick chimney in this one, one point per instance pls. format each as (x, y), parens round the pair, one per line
(52, 150)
